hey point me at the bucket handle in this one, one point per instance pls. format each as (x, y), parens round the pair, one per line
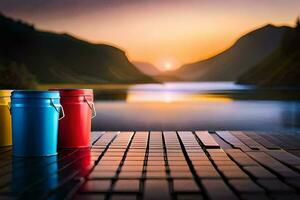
(56, 107)
(9, 107)
(92, 107)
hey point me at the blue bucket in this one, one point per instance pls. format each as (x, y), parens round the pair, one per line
(35, 116)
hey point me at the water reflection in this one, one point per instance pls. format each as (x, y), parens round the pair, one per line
(290, 115)
(192, 106)
(169, 97)
(28, 171)
(83, 163)
(32, 177)
(234, 115)
(189, 87)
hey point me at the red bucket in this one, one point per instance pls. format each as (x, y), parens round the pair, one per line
(75, 127)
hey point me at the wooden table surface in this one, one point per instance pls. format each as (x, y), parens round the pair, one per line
(161, 165)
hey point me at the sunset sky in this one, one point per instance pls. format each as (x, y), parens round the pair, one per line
(166, 33)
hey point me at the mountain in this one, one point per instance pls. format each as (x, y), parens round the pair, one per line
(281, 68)
(61, 58)
(147, 68)
(246, 52)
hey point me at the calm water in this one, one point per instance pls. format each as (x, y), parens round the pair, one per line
(197, 106)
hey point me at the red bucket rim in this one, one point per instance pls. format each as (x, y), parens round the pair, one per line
(64, 92)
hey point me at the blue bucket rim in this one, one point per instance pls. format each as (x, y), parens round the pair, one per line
(33, 91)
(35, 94)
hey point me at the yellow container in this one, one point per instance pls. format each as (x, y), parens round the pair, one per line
(5, 118)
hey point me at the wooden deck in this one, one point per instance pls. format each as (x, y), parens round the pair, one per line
(161, 165)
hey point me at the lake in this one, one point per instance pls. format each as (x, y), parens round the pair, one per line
(197, 106)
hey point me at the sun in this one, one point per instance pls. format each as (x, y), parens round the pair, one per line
(168, 66)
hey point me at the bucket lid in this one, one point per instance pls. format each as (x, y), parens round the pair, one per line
(5, 93)
(44, 94)
(74, 92)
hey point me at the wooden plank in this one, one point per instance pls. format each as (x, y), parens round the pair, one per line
(274, 138)
(259, 172)
(246, 186)
(95, 135)
(290, 141)
(248, 141)
(207, 140)
(105, 139)
(275, 185)
(241, 158)
(294, 152)
(271, 163)
(285, 157)
(221, 142)
(263, 141)
(156, 189)
(234, 141)
(217, 189)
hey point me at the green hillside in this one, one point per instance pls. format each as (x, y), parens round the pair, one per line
(61, 58)
(282, 67)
